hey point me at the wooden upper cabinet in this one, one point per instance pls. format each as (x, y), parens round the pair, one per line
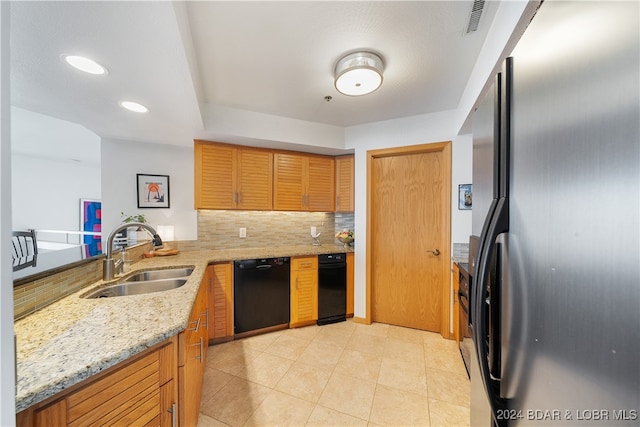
(345, 183)
(255, 179)
(232, 177)
(303, 182)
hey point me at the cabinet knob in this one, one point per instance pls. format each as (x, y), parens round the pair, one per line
(436, 252)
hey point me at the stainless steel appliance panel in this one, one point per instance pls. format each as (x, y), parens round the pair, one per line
(483, 160)
(574, 216)
(568, 270)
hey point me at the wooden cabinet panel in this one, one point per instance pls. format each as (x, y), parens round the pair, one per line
(215, 176)
(320, 184)
(350, 283)
(303, 182)
(456, 303)
(230, 177)
(169, 414)
(220, 284)
(288, 183)
(193, 352)
(304, 291)
(128, 394)
(117, 395)
(54, 415)
(255, 179)
(345, 183)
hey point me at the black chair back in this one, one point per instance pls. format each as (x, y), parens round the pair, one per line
(24, 250)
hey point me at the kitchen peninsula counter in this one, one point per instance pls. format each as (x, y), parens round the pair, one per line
(75, 338)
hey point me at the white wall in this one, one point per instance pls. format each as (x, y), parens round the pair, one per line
(461, 173)
(55, 163)
(46, 193)
(123, 160)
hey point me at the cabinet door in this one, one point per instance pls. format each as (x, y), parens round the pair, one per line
(456, 303)
(345, 172)
(130, 395)
(168, 406)
(215, 176)
(193, 347)
(54, 415)
(255, 179)
(320, 184)
(135, 392)
(304, 291)
(303, 182)
(220, 283)
(288, 185)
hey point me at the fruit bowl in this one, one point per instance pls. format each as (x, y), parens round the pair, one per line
(345, 237)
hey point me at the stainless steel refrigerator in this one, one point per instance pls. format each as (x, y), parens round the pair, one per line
(555, 308)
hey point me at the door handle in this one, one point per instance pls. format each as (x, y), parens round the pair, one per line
(436, 251)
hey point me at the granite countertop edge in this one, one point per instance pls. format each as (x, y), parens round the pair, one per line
(75, 338)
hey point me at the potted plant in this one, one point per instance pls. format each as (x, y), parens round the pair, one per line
(132, 235)
(133, 218)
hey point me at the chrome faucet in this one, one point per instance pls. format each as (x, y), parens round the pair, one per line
(111, 267)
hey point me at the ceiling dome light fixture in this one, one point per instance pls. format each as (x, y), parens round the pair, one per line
(358, 73)
(134, 106)
(84, 64)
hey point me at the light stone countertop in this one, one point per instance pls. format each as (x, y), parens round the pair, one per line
(75, 338)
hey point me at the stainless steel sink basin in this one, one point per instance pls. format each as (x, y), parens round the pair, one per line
(145, 282)
(137, 287)
(168, 273)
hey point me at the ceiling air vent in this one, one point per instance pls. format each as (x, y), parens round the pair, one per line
(474, 19)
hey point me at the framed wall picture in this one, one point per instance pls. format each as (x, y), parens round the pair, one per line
(464, 196)
(153, 191)
(91, 221)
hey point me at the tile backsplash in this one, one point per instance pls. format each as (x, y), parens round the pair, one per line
(221, 229)
(460, 252)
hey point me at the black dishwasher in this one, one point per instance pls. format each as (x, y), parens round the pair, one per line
(332, 288)
(261, 294)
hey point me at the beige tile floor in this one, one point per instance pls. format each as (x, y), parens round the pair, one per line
(345, 374)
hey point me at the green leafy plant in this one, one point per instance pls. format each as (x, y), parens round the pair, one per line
(133, 218)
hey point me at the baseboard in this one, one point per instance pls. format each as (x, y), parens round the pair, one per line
(361, 320)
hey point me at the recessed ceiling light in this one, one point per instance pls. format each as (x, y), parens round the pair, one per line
(84, 64)
(134, 106)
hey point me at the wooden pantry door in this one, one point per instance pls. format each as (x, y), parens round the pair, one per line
(409, 220)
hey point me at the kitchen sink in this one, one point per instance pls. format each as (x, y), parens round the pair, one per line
(137, 288)
(168, 273)
(145, 282)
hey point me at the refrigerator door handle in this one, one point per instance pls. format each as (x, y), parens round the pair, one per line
(497, 222)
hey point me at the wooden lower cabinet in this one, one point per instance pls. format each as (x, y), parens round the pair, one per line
(220, 285)
(304, 291)
(456, 303)
(159, 387)
(140, 391)
(192, 352)
(350, 284)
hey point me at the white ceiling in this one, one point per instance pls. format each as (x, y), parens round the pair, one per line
(276, 58)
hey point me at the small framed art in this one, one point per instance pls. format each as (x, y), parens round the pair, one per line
(153, 191)
(464, 196)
